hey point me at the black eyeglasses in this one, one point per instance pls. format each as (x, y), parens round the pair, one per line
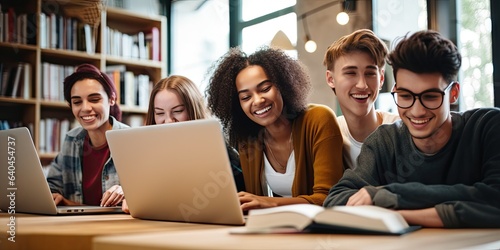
(430, 99)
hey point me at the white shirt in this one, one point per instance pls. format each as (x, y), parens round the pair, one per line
(279, 183)
(352, 148)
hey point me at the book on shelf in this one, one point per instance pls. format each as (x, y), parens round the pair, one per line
(1, 24)
(116, 73)
(31, 28)
(13, 90)
(52, 80)
(130, 88)
(52, 134)
(90, 40)
(316, 219)
(144, 90)
(153, 43)
(26, 81)
(9, 124)
(15, 80)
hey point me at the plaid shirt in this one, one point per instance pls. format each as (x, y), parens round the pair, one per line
(65, 172)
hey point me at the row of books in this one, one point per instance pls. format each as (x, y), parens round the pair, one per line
(143, 45)
(59, 32)
(133, 89)
(52, 80)
(52, 133)
(17, 27)
(15, 80)
(8, 124)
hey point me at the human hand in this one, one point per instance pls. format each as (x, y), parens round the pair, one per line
(61, 201)
(250, 201)
(125, 207)
(362, 197)
(112, 196)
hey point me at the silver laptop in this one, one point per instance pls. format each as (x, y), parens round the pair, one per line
(176, 172)
(23, 187)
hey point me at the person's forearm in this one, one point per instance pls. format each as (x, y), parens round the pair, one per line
(280, 201)
(427, 217)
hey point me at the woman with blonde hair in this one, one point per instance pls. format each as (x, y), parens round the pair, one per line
(177, 99)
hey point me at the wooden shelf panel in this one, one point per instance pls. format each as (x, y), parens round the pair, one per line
(69, 57)
(53, 104)
(135, 110)
(14, 101)
(16, 47)
(134, 62)
(129, 22)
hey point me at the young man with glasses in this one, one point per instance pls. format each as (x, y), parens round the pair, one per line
(436, 167)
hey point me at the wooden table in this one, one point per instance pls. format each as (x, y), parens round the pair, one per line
(222, 239)
(78, 231)
(120, 231)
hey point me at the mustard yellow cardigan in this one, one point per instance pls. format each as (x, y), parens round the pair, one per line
(317, 143)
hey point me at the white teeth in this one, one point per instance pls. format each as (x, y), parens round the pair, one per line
(360, 96)
(419, 121)
(262, 111)
(87, 117)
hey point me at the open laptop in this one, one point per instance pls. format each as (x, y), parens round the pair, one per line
(176, 172)
(23, 187)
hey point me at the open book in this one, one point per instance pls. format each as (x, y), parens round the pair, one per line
(337, 219)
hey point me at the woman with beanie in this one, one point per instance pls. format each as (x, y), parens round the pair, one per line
(83, 171)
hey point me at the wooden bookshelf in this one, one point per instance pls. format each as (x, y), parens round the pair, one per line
(32, 107)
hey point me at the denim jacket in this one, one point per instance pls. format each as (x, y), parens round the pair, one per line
(65, 172)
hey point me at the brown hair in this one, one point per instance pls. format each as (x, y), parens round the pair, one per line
(363, 40)
(426, 52)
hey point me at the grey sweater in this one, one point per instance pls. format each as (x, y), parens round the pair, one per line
(462, 180)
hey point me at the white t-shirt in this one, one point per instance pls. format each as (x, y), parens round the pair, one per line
(279, 183)
(352, 148)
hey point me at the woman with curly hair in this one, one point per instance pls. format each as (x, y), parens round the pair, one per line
(290, 152)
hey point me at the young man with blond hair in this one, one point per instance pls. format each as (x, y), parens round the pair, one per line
(355, 66)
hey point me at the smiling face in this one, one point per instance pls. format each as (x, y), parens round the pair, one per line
(168, 107)
(259, 98)
(424, 123)
(356, 79)
(90, 104)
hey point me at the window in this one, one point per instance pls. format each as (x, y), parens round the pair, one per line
(474, 42)
(472, 31)
(393, 19)
(261, 20)
(261, 34)
(199, 36)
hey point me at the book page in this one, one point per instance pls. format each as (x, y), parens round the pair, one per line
(363, 217)
(295, 216)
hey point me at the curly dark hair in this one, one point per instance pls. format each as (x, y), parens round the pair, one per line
(287, 73)
(426, 51)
